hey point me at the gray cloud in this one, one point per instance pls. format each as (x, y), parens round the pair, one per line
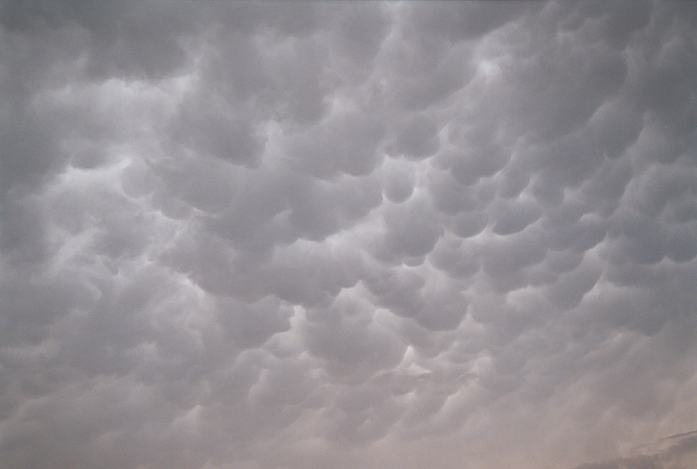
(263, 235)
(677, 455)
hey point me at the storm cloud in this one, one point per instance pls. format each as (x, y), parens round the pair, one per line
(259, 235)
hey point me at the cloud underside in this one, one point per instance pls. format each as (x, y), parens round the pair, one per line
(338, 235)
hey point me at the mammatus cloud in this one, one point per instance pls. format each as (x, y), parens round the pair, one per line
(338, 235)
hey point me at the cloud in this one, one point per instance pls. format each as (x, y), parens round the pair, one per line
(677, 455)
(259, 235)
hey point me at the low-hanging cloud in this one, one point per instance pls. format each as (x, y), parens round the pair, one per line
(271, 235)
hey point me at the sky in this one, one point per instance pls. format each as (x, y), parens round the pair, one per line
(340, 235)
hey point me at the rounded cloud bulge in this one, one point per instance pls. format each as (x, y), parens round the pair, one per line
(348, 234)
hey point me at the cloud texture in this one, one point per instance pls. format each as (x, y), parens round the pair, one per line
(347, 235)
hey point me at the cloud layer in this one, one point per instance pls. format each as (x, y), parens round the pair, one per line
(337, 235)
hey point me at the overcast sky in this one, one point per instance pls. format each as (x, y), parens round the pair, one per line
(348, 235)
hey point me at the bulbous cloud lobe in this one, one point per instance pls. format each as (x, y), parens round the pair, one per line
(273, 235)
